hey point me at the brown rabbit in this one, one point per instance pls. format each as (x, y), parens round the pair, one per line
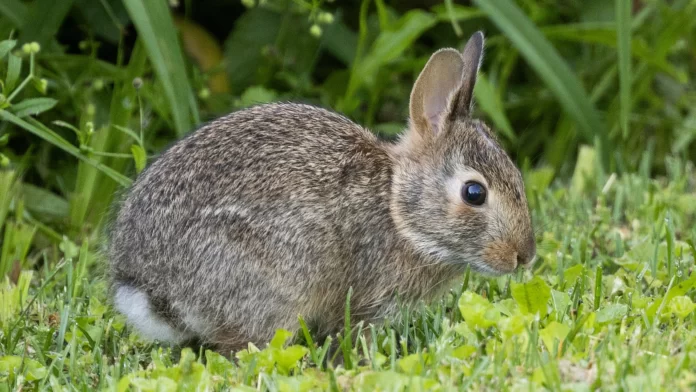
(277, 210)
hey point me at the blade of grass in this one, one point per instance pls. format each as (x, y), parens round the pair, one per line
(347, 345)
(598, 287)
(450, 14)
(455, 13)
(489, 100)
(550, 67)
(310, 342)
(7, 190)
(155, 27)
(15, 11)
(623, 38)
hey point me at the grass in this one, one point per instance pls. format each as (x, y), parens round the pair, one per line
(594, 99)
(609, 305)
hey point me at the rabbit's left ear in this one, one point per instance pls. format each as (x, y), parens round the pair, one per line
(472, 56)
(432, 92)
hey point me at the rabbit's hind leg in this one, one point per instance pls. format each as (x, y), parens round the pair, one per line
(135, 304)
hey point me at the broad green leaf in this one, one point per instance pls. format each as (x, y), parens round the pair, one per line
(623, 34)
(43, 203)
(392, 381)
(257, 95)
(257, 45)
(33, 370)
(464, 331)
(104, 19)
(681, 306)
(611, 313)
(489, 100)
(280, 338)
(513, 326)
(341, 42)
(162, 383)
(533, 296)
(155, 27)
(10, 363)
(296, 383)
(413, 364)
(477, 311)
(550, 67)
(585, 170)
(14, 68)
(70, 249)
(6, 46)
(44, 19)
(288, 358)
(560, 301)
(554, 331)
(33, 106)
(15, 11)
(463, 352)
(256, 29)
(679, 289)
(572, 274)
(537, 180)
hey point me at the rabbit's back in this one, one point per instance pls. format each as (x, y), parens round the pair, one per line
(251, 212)
(256, 152)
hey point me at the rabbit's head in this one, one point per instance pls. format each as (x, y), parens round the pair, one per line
(456, 193)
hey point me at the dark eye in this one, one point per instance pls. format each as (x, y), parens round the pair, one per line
(474, 193)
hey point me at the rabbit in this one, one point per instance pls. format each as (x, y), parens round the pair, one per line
(278, 210)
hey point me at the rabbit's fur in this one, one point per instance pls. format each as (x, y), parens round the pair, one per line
(277, 210)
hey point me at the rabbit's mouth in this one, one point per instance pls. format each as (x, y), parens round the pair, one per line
(484, 268)
(478, 264)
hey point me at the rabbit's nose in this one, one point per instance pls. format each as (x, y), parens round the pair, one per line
(526, 253)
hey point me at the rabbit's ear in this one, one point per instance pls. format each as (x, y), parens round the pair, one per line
(445, 87)
(472, 56)
(432, 92)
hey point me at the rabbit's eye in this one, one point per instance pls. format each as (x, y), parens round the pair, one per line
(474, 193)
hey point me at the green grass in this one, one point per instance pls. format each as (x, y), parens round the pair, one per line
(608, 305)
(594, 99)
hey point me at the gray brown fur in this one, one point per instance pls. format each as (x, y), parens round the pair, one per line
(277, 210)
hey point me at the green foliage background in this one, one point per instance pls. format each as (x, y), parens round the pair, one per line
(594, 99)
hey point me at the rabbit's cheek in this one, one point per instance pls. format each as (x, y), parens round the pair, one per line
(501, 256)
